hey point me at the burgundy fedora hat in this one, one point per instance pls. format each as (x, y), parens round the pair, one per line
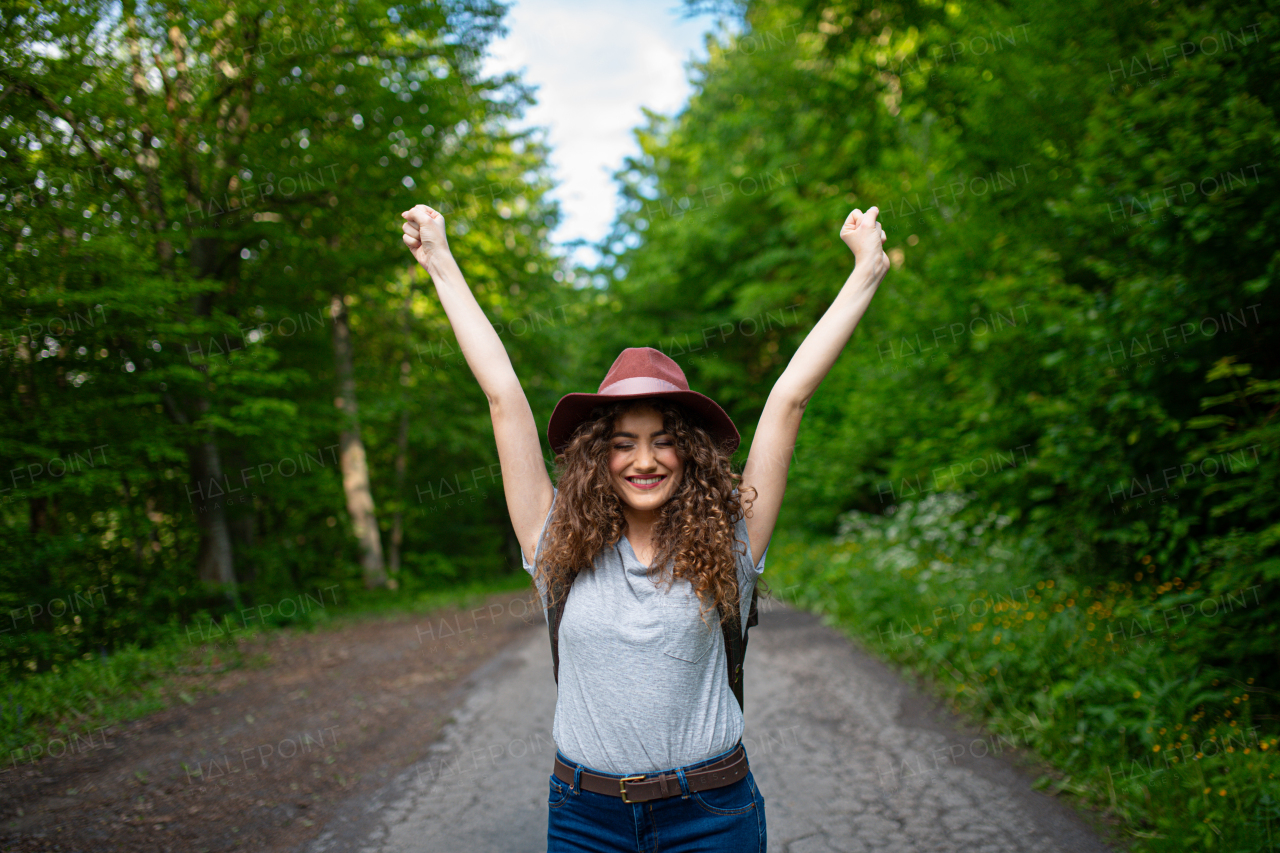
(640, 372)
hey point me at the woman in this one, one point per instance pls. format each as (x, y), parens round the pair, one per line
(648, 735)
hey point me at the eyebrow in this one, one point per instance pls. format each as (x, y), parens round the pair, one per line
(633, 435)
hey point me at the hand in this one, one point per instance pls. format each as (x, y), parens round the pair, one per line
(424, 233)
(864, 236)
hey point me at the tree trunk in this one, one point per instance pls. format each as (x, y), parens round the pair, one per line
(355, 469)
(215, 560)
(38, 515)
(137, 526)
(402, 464)
(402, 444)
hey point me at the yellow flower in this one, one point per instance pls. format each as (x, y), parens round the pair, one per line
(1155, 748)
(1137, 694)
(1222, 793)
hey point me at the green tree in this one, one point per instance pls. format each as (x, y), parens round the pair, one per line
(188, 190)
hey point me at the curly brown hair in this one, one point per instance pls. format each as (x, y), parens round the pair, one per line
(695, 527)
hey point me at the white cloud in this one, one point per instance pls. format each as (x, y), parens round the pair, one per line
(595, 64)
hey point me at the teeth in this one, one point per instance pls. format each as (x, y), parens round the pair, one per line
(645, 481)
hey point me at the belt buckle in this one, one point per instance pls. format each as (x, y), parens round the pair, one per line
(622, 785)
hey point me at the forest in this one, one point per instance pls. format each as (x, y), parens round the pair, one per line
(231, 398)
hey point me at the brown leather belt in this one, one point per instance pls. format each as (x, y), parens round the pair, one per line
(640, 788)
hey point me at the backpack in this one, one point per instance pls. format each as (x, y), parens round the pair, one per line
(735, 639)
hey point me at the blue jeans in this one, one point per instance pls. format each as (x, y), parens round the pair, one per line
(729, 819)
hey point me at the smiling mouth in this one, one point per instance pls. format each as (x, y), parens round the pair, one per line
(645, 482)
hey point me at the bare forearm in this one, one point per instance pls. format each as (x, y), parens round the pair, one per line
(481, 346)
(820, 349)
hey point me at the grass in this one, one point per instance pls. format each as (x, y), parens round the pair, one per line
(1105, 682)
(54, 713)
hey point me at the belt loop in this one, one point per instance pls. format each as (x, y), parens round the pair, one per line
(684, 784)
(577, 778)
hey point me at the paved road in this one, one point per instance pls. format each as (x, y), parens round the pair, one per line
(847, 756)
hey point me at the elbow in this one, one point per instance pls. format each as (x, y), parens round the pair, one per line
(792, 394)
(505, 397)
(795, 401)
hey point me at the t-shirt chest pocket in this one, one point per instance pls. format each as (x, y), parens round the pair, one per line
(685, 636)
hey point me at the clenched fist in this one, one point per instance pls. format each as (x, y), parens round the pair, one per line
(864, 236)
(424, 233)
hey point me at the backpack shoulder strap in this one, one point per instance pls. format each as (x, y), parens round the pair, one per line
(554, 612)
(735, 646)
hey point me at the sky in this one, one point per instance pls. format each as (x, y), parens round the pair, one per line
(594, 63)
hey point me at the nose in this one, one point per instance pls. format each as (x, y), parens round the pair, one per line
(644, 458)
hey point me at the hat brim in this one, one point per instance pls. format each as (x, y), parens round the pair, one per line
(575, 408)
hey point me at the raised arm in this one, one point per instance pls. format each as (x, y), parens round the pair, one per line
(774, 443)
(524, 476)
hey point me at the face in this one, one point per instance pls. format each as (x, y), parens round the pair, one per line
(644, 467)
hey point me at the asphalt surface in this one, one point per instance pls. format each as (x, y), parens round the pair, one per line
(847, 756)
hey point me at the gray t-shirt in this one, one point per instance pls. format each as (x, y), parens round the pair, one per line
(643, 682)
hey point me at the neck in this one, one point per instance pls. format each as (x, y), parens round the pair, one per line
(639, 522)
